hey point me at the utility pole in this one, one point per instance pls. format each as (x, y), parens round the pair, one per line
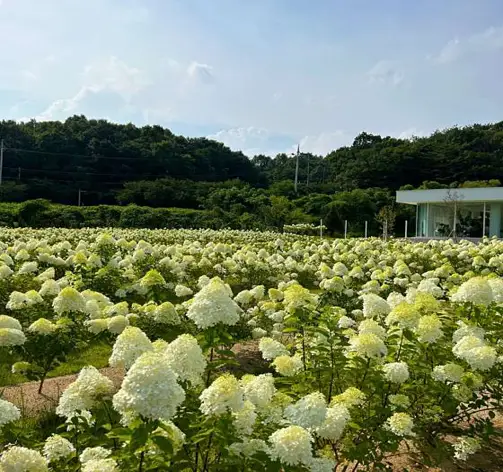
(297, 168)
(80, 198)
(308, 170)
(1, 161)
(19, 174)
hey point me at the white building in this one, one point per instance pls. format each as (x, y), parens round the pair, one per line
(463, 212)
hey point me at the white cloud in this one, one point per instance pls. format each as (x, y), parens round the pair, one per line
(385, 72)
(117, 76)
(489, 40)
(200, 72)
(110, 75)
(324, 143)
(412, 133)
(253, 141)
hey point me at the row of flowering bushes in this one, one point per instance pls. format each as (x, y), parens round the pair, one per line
(371, 348)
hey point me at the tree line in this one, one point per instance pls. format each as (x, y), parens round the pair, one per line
(108, 163)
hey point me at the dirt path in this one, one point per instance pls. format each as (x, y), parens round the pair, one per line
(26, 397)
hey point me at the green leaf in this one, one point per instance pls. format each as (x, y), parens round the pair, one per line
(139, 438)
(124, 434)
(163, 443)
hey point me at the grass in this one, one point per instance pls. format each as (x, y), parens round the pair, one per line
(96, 354)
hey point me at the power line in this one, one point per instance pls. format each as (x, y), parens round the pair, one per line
(35, 179)
(74, 172)
(64, 154)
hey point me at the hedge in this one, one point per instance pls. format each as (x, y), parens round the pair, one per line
(42, 214)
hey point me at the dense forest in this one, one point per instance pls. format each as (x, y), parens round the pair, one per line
(98, 162)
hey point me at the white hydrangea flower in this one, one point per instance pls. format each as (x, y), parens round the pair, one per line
(18, 301)
(465, 446)
(429, 286)
(117, 324)
(28, 268)
(248, 447)
(476, 290)
(152, 279)
(213, 305)
(448, 373)
(11, 337)
(271, 349)
(149, 389)
(480, 358)
(57, 447)
(350, 398)
(94, 453)
(258, 389)
(244, 419)
(400, 424)
(399, 400)
(69, 300)
(245, 297)
(497, 289)
(322, 464)
(258, 333)
(396, 372)
(166, 313)
(258, 292)
(367, 345)
(335, 421)
(183, 291)
(291, 446)
(346, 322)
(371, 326)
(97, 325)
(405, 315)
(49, 288)
(429, 329)
(466, 330)
(43, 327)
(309, 412)
(9, 322)
(374, 305)
(82, 394)
(223, 395)
(8, 413)
(22, 459)
(288, 366)
(100, 465)
(186, 359)
(128, 347)
(466, 344)
(5, 271)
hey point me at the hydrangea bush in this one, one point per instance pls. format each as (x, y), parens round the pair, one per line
(370, 348)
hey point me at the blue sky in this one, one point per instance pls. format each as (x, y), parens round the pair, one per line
(258, 75)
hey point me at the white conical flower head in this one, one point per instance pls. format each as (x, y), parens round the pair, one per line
(186, 359)
(129, 346)
(291, 446)
(150, 389)
(309, 412)
(213, 305)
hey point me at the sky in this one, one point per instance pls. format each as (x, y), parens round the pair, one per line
(260, 76)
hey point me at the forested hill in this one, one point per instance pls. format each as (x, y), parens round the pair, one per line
(453, 155)
(53, 160)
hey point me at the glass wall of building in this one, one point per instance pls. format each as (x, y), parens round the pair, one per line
(461, 220)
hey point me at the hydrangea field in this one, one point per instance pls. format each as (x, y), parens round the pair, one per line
(365, 349)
